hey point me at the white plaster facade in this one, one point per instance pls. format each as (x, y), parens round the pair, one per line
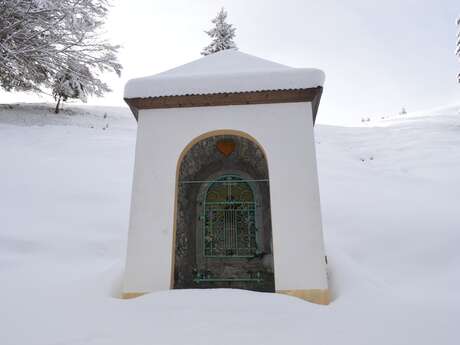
(285, 133)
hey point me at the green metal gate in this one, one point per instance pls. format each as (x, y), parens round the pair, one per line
(229, 212)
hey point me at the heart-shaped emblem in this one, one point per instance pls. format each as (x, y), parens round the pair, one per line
(226, 147)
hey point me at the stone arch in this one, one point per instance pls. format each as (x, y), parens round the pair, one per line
(205, 159)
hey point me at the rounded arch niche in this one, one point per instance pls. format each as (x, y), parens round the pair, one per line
(223, 231)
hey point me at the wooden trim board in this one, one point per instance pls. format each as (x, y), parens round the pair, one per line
(312, 95)
(318, 296)
(129, 295)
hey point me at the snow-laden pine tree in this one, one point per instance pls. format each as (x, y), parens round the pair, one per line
(38, 38)
(222, 34)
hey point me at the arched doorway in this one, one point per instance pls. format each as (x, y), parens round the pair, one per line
(223, 222)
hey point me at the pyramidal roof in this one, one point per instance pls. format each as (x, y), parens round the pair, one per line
(227, 71)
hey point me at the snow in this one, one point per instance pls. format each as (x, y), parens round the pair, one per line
(222, 35)
(226, 71)
(42, 114)
(449, 111)
(390, 199)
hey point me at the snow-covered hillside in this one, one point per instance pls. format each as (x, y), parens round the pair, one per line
(391, 211)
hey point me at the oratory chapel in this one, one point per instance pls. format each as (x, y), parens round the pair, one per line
(225, 191)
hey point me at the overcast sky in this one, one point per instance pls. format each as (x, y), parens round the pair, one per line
(378, 56)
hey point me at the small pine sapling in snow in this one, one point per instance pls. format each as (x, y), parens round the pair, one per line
(67, 85)
(222, 35)
(77, 81)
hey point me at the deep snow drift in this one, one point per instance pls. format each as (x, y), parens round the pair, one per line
(391, 210)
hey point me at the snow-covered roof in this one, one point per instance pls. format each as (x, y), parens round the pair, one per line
(224, 72)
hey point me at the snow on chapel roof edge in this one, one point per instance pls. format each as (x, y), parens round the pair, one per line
(227, 71)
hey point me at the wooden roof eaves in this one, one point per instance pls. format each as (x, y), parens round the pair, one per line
(312, 95)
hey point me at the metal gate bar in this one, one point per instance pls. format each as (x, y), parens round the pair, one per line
(203, 278)
(229, 218)
(229, 230)
(219, 181)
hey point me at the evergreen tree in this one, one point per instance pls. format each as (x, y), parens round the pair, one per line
(222, 35)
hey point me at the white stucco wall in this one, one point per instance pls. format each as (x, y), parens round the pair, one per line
(285, 132)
